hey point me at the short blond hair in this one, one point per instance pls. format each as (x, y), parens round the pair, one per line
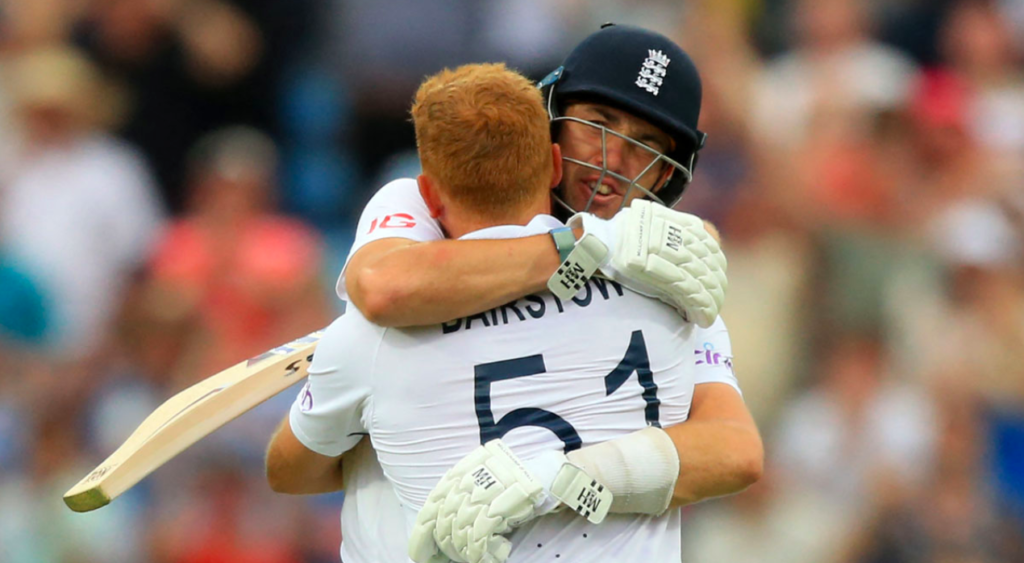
(483, 134)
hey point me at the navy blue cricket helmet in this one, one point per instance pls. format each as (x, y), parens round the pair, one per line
(643, 73)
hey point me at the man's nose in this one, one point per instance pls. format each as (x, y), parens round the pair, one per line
(613, 153)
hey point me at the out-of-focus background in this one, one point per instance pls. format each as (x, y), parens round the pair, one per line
(179, 182)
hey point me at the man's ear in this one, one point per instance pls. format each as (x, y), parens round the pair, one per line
(431, 196)
(556, 165)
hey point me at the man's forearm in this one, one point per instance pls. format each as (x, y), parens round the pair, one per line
(718, 453)
(432, 282)
(716, 457)
(295, 470)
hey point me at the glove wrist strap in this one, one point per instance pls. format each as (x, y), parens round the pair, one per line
(576, 269)
(582, 493)
(565, 241)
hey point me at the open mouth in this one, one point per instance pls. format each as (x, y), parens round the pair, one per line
(606, 191)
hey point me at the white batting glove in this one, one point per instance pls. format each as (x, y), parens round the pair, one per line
(491, 492)
(664, 254)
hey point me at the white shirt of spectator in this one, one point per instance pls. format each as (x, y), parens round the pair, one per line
(81, 218)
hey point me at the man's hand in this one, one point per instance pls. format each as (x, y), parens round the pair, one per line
(664, 254)
(491, 492)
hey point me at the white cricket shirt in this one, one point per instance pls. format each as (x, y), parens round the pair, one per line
(540, 373)
(373, 521)
(398, 211)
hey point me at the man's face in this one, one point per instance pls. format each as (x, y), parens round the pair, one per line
(583, 142)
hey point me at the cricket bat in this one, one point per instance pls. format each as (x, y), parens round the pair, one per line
(189, 416)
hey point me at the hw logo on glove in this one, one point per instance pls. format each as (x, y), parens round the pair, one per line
(589, 501)
(660, 253)
(482, 478)
(674, 238)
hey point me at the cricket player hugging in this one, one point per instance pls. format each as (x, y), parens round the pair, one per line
(544, 375)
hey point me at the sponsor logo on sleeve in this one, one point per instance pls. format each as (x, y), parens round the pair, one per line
(393, 221)
(305, 398)
(707, 356)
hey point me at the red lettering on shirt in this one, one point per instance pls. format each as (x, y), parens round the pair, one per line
(394, 221)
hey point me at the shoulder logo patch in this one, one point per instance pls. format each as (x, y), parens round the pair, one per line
(393, 221)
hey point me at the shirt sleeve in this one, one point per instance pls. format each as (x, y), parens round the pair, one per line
(331, 413)
(396, 211)
(713, 355)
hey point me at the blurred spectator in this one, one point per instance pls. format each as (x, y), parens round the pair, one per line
(582, 17)
(766, 524)
(950, 159)
(857, 429)
(1013, 12)
(715, 34)
(234, 277)
(227, 516)
(767, 256)
(955, 516)
(815, 111)
(35, 526)
(382, 50)
(977, 43)
(81, 210)
(10, 137)
(40, 23)
(983, 307)
(188, 66)
(834, 72)
(321, 179)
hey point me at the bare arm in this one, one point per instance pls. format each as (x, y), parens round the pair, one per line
(719, 446)
(400, 282)
(294, 469)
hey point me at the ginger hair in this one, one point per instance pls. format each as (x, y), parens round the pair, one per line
(483, 134)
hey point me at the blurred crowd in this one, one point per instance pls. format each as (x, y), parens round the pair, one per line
(179, 181)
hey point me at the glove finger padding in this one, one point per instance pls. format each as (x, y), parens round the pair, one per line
(515, 505)
(487, 493)
(664, 272)
(492, 492)
(488, 549)
(699, 304)
(671, 256)
(445, 530)
(422, 546)
(476, 526)
(446, 533)
(498, 550)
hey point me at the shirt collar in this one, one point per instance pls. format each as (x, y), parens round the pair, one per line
(538, 225)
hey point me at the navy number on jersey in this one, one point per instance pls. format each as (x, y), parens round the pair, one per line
(486, 374)
(635, 360)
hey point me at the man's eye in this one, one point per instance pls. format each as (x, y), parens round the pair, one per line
(654, 144)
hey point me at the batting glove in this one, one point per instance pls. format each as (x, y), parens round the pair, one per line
(491, 492)
(664, 254)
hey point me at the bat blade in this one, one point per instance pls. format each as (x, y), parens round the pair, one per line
(191, 415)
